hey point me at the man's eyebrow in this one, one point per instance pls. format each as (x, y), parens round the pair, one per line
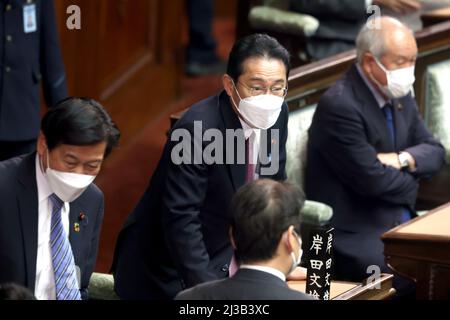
(71, 156)
(97, 161)
(257, 79)
(264, 80)
(405, 57)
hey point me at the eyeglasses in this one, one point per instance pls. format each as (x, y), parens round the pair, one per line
(277, 90)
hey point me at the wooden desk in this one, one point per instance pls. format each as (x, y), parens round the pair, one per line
(341, 290)
(420, 250)
(435, 16)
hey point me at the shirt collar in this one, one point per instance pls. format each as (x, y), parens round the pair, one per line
(275, 272)
(44, 190)
(248, 130)
(381, 101)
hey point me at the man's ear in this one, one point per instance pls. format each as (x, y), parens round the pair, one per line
(41, 144)
(289, 238)
(230, 234)
(228, 85)
(366, 63)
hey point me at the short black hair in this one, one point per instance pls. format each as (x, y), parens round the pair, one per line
(80, 122)
(262, 211)
(255, 46)
(12, 291)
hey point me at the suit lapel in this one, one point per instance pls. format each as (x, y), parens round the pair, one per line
(370, 108)
(78, 220)
(29, 214)
(231, 121)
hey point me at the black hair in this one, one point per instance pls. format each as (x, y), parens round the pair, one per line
(12, 291)
(255, 46)
(262, 211)
(80, 122)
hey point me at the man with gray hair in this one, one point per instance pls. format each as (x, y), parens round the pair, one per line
(368, 147)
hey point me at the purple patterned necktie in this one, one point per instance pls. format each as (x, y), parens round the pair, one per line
(250, 172)
(66, 283)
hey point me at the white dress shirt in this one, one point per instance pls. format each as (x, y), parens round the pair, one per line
(45, 279)
(275, 272)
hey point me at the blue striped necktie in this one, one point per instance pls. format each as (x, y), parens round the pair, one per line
(387, 109)
(66, 283)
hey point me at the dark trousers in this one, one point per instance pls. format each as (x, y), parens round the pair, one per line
(202, 45)
(11, 149)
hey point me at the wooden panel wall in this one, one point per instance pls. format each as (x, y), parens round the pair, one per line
(125, 55)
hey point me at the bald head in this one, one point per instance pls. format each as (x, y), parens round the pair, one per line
(385, 36)
(388, 43)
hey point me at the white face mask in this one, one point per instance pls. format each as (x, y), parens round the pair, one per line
(67, 186)
(296, 261)
(399, 81)
(259, 111)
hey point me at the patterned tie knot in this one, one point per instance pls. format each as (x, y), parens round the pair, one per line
(56, 201)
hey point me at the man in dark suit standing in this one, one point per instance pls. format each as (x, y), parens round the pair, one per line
(177, 236)
(368, 147)
(340, 21)
(265, 214)
(51, 212)
(29, 48)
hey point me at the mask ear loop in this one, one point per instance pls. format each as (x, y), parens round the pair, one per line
(300, 246)
(48, 158)
(382, 67)
(232, 100)
(235, 89)
(386, 72)
(236, 108)
(41, 164)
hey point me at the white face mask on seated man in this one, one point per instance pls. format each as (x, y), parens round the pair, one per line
(260, 111)
(399, 81)
(66, 185)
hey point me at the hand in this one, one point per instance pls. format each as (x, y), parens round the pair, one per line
(399, 6)
(299, 273)
(389, 159)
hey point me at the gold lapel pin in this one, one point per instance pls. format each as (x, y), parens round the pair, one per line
(76, 227)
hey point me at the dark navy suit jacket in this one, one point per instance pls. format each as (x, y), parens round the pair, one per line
(246, 284)
(26, 59)
(19, 225)
(177, 236)
(348, 130)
